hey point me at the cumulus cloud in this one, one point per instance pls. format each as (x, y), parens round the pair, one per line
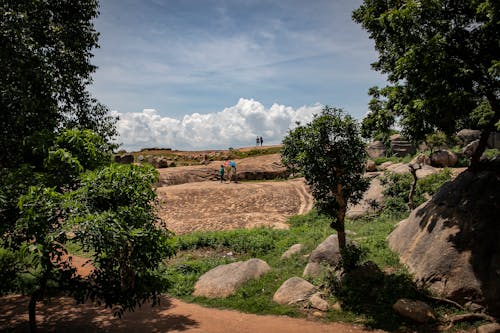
(235, 126)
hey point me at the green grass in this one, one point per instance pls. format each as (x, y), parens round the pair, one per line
(367, 301)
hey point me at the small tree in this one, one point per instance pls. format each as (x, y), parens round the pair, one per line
(331, 155)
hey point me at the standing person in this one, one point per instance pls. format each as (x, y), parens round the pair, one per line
(221, 173)
(261, 141)
(233, 171)
(257, 141)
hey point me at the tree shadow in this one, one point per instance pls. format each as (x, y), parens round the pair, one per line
(62, 314)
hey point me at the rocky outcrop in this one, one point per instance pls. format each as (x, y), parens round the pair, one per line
(372, 200)
(376, 149)
(466, 136)
(294, 290)
(224, 280)
(417, 311)
(450, 243)
(401, 147)
(443, 158)
(421, 159)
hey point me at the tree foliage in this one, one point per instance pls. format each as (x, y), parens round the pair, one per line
(441, 58)
(45, 69)
(330, 154)
(379, 121)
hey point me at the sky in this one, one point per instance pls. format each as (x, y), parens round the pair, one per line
(213, 74)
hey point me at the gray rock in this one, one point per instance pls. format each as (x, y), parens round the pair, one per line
(313, 269)
(317, 302)
(376, 149)
(366, 205)
(224, 280)
(294, 290)
(327, 252)
(450, 243)
(127, 159)
(371, 166)
(417, 311)
(421, 159)
(466, 136)
(470, 148)
(443, 158)
(293, 250)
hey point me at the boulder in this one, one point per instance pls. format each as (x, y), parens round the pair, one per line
(376, 149)
(224, 280)
(450, 243)
(371, 166)
(140, 158)
(426, 170)
(385, 165)
(160, 162)
(294, 290)
(117, 159)
(401, 147)
(489, 328)
(417, 311)
(470, 148)
(127, 159)
(371, 198)
(443, 158)
(421, 159)
(293, 250)
(317, 302)
(466, 136)
(327, 252)
(313, 269)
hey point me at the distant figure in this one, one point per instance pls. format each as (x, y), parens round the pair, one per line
(233, 171)
(257, 141)
(261, 141)
(221, 173)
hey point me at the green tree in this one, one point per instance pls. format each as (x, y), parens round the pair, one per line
(379, 121)
(442, 60)
(330, 154)
(44, 71)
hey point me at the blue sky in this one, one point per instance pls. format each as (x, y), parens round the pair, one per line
(195, 74)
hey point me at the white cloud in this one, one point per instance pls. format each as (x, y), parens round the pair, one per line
(235, 126)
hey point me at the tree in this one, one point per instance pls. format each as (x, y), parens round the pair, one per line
(379, 121)
(45, 69)
(331, 155)
(441, 59)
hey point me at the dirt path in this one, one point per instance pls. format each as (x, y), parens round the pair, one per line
(62, 315)
(224, 206)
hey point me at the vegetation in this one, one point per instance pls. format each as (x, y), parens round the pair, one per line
(441, 59)
(57, 183)
(378, 123)
(330, 154)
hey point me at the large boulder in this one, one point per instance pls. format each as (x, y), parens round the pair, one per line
(466, 136)
(293, 250)
(127, 159)
(450, 243)
(376, 149)
(294, 290)
(224, 280)
(417, 311)
(372, 200)
(401, 147)
(443, 158)
(327, 253)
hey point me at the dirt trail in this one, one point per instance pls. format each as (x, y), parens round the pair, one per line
(62, 315)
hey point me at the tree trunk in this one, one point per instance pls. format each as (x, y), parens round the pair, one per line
(413, 171)
(341, 228)
(32, 313)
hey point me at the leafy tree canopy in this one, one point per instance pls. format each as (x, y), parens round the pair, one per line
(331, 155)
(441, 58)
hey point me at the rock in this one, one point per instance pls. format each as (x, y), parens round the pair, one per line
(224, 280)
(401, 147)
(294, 290)
(127, 159)
(293, 250)
(466, 136)
(489, 328)
(317, 302)
(327, 252)
(396, 136)
(376, 149)
(365, 272)
(337, 306)
(473, 307)
(117, 159)
(313, 269)
(443, 158)
(371, 166)
(417, 311)
(426, 170)
(372, 197)
(160, 162)
(318, 314)
(450, 243)
(470, 148)
(399, 168)
(421, 159)
(140, 158)
(494, 140)
(385, 165)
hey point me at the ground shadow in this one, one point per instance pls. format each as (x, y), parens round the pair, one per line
(62, 314)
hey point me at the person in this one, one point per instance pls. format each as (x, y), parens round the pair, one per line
(233, 170)
(221, 173)
(257, 141)
(261, 141)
